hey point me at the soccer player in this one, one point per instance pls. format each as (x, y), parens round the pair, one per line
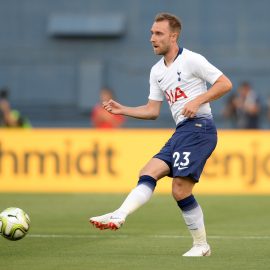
(181, 77)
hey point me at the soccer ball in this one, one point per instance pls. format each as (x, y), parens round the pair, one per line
(14, 223)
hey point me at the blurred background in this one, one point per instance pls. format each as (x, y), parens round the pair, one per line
(56, 55)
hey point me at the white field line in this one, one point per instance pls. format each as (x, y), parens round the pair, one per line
(95, 236)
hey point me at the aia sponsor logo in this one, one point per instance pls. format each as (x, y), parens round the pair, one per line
(173, 95)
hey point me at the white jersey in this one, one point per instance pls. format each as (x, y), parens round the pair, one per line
(182, 81)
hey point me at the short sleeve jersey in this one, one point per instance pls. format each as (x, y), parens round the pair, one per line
(182, 81)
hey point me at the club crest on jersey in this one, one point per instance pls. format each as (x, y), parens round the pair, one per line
(173, 95)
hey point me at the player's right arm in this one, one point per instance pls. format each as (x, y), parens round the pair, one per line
(149, 111)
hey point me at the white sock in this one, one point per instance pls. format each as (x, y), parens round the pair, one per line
(193, 216)
(135, 199)
(195, 223)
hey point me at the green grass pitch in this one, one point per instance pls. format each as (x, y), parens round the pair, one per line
(154, 237)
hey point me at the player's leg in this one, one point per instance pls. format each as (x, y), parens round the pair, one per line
(154, 170)
(191, 149)
(193, 216)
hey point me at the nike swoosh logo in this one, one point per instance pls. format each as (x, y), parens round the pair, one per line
(182, 168)
(159, 81)
(206, 253)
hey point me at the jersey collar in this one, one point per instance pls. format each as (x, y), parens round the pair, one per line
(179, 53)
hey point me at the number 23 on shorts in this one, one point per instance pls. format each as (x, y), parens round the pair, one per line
(181, 160)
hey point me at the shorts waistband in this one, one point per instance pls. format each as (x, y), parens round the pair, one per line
(197, 124)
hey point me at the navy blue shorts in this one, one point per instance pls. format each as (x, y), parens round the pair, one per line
(187, 151)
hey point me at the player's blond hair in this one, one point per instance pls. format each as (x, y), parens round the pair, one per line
(174, 21)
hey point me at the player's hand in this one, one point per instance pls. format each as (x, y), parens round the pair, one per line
(113, 107)
(190, 109)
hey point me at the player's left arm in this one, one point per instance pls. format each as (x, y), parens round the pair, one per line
(221, 86)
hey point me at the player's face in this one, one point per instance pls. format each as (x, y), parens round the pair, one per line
(162, 37)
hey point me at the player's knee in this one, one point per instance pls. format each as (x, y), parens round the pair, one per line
(181, 189)
(179, 194)
(154, 170)
(147, 171)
